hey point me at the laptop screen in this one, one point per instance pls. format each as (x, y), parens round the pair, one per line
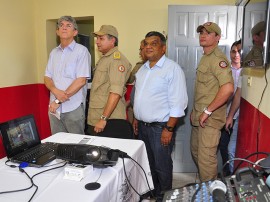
(19, 135)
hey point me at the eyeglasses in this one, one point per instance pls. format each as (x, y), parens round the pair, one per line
(68, 26)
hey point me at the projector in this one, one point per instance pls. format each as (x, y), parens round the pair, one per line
(87, 154)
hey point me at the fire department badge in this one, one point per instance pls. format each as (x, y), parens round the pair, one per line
(251, 63)
(223, 64)
(121, 68)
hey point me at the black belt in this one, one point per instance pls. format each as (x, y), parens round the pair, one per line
(154, 124)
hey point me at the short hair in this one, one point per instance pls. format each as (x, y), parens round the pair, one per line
(158, 34)
(116, 39)
(236, 43)
(68, 19)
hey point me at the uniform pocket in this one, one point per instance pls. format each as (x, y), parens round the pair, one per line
(210, 137)
(203, 75)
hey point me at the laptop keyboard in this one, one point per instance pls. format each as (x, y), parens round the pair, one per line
(38, 152)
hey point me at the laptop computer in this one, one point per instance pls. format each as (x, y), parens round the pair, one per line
(22, 142)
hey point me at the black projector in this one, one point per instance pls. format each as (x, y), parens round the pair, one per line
(87, 154)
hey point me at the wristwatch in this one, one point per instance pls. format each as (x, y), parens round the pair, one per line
(169, 128)
(105, 118)
(57, 101)
(206, 111)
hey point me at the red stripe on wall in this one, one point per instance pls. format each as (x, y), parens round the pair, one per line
(253, 132)
(22, 100)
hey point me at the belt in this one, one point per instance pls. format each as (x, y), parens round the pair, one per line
(153, 124)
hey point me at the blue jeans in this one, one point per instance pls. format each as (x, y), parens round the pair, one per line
(232, 144)
(159, 157)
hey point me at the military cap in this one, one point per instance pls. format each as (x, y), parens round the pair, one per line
(259, 27)
(210, 27)
(107, 29)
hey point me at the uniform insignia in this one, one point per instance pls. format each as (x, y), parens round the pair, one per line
(121, 68)
(116, 55)
(251, 63)
(223, 64)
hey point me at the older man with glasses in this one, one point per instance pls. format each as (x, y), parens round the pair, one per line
(67, 71)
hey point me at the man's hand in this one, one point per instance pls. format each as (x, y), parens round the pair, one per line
(62, 96)
(203, 118)
(53, 107)
(135, 126)
(99, 127)
(166, 137)
(229, 123)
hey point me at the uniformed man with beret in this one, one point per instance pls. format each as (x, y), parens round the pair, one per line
(213, 87)
(108, 86)
(255, 56)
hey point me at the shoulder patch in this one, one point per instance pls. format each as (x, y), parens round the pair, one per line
(116, 55)
(251, 63)
(223, 64)
(121, 68)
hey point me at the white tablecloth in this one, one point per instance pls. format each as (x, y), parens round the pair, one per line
(52, 187)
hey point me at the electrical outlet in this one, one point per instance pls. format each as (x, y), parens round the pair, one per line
(249, 81)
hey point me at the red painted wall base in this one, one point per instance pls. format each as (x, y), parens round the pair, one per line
(253, 132)
(19, 101)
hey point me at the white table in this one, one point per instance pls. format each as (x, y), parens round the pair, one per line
(53, 188)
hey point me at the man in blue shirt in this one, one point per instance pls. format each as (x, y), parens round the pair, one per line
(66, 74)
(160, 99)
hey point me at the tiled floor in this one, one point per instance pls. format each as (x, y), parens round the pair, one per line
(182, 179)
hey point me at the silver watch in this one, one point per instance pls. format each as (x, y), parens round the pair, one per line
(206, 111)
(105, 118)
(57, 101)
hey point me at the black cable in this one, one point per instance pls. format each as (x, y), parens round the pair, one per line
(49, 170)
(125, 155)
(17, 190)
(250, 155)
(32, 182)
(31, 179)
(128, 179)
(99, 175)
(12, 166)
(145, 176)
(195, 193)
(259, 114)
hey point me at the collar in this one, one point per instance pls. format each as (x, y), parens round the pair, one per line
(236, 68)
(211, 50)
(71, 46)
(114, 49)
(159, 63)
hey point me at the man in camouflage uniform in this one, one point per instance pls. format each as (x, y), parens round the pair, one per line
(213, 87)
(108, 86)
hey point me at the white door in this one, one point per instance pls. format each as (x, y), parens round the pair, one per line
(183, 47)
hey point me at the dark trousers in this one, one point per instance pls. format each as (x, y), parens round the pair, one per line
(223, 148)
(159, 157)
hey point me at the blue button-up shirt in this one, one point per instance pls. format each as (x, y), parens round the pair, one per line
(160, 91)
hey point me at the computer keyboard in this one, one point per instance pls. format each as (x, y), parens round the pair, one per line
(38, 151)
